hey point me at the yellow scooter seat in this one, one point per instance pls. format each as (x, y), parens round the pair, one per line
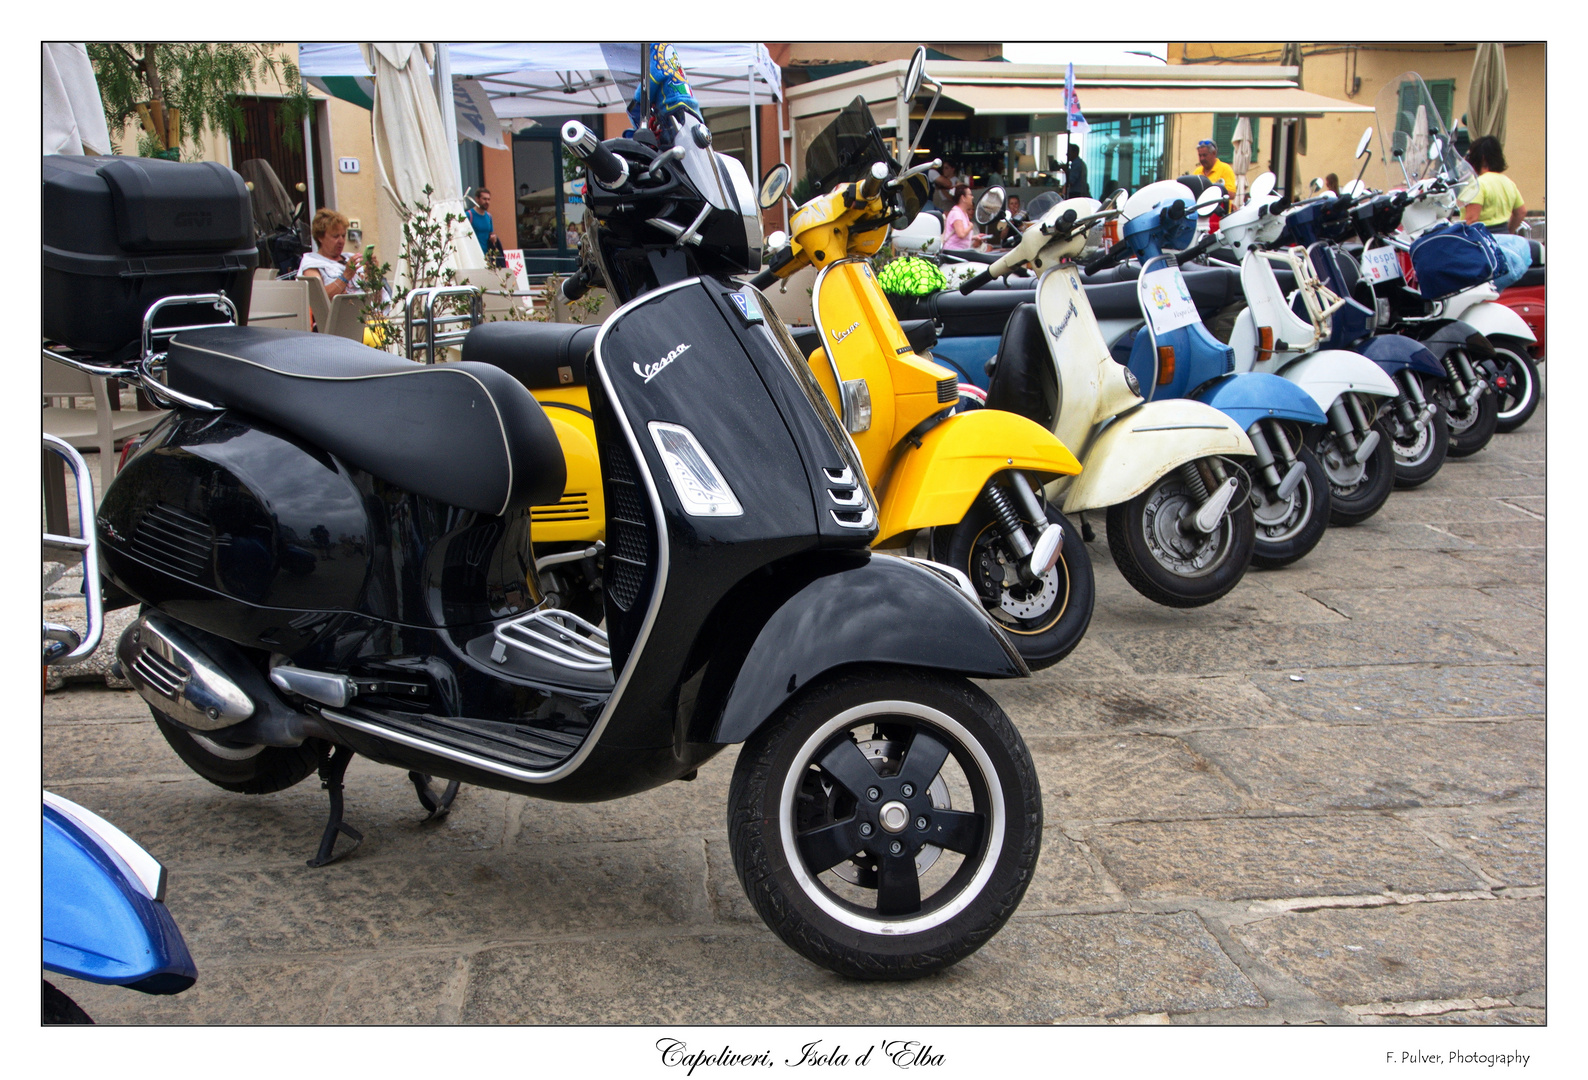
(541, 356)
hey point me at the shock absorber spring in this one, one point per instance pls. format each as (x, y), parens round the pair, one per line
(1358, 413)
(1457, 382)
(1194, 481)
(1009, 521)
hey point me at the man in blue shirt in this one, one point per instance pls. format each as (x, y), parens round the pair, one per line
(480, 219)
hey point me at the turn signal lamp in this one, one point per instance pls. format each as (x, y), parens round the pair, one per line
(695, 477)
(1265, 343)
(1165, 365)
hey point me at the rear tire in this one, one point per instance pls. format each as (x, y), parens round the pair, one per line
(1282, 541)
(869, 761)
(1047, 621)
(1168, 568)
(249, 770)
(1517, 403)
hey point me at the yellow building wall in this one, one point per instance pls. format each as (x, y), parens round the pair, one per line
(1333, 69)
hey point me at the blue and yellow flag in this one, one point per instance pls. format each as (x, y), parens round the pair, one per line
(668, 89)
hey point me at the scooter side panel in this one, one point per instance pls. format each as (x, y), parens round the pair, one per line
(836, 615)
(1141, 445)
(1328, 373)
(580, 516)
(937, 484)
(98, 924)
(1492, 319)
(1394, 352)
(1255, 396)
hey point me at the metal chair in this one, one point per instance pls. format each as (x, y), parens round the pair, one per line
(283, 305)
(99, 428)
(339, 315)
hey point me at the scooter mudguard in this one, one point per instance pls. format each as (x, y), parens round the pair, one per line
(1328, 373)
(103, 917)
(866, 609)
(580, 516)
(937, 483)
(1456, 334)
(1143, 444)
(1256, 396)
(1395, 352)
(1493, 319)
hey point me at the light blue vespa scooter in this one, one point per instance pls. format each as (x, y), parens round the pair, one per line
(1174, 356)
(104, 913)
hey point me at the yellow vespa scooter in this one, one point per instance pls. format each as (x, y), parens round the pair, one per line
(957, 487)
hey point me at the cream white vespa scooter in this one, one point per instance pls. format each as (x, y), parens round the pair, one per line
(1351, 389)
(1171, 474)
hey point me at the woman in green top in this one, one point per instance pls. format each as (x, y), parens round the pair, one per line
(1492, 199)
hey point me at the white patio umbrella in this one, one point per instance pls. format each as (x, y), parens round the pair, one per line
(411, 144)
(1241, 157)
(1488, 92)
(74, 118)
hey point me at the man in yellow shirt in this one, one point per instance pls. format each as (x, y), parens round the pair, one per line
(1209, 165)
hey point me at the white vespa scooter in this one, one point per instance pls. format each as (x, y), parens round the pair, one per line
(1354, 392)
(1171, 474)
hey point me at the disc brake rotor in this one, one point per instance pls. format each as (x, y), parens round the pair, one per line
(886, 752)
(1413, 447)
(998, 582)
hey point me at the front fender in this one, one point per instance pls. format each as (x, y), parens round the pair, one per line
(1328, 373)
(1143, 444)
(1492, 319)
(102, 920)
(1395, 352)
(937, 483)
(1456, 334)
(1256, 396)
(821, 614)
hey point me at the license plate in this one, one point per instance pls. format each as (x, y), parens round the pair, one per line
(1381, 264)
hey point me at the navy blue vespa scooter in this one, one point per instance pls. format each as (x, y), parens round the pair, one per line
(1174, 355)
(103, 897)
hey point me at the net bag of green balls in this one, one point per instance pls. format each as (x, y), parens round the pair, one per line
(909, 276)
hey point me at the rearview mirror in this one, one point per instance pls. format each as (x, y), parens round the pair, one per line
(1263, 186)
(914, 74)
(1209, 200)
(1435, 149)
(773, 185)
(1361, 146)
(990, 205)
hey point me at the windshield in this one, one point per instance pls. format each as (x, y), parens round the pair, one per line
(1414, 135)
(843, 150)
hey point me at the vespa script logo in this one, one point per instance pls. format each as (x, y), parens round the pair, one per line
(650, 371)
(1058, 331)
(839, 335)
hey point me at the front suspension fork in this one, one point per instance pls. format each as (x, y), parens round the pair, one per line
(1276, 461)
(1031, 560)
(1353, 427)
(1412, 406)
(1464, 377)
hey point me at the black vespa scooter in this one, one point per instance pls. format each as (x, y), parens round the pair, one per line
(331, 547)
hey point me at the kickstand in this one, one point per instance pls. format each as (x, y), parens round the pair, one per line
(333, 766)
(438, 805)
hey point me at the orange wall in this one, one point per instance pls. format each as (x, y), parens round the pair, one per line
(498, 170)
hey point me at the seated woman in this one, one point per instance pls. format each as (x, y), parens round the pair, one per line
(326, 262)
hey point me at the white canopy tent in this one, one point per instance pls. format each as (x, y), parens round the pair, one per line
(527, 79)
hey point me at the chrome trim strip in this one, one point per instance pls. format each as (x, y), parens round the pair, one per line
(955, 577)
(142, 867)
(821, 332)
(451, 754)
(868, 518)
(1183, 427)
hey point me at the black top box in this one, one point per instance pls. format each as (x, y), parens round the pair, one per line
(121, 232)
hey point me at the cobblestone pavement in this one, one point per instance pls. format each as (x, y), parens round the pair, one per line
(1318, 800)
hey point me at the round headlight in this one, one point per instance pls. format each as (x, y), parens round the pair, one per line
(1132, 382)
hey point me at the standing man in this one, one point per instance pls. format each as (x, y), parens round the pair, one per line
(1075, 186)
(480, 220)
(942, 184)
(1209, 165)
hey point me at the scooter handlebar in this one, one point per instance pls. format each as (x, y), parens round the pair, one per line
(609, 170)
(575, 285)
(971, 285)
(765, 278)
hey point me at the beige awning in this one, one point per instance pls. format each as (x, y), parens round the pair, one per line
(1101, 101)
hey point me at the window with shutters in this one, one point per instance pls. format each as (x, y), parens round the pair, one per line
(1224, 134)
(1443, 91)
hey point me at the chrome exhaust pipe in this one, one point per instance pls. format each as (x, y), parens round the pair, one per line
(174, 675)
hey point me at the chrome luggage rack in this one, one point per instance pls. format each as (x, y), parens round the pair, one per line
(146, 369)
(438, 331)
(62, 644)
(556, 635)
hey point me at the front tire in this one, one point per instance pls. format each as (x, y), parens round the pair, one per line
(59, 1008)
(1169, 567)
(1046, 620)
(1419, 454)
(886, 823)
(248, 769)
(1356, 492)
(1516, 404)
(1287, 531)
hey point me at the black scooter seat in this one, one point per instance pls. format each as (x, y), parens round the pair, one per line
(465, 434)
(542, 356)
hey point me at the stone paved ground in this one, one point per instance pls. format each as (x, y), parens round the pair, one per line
(1319, 800)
